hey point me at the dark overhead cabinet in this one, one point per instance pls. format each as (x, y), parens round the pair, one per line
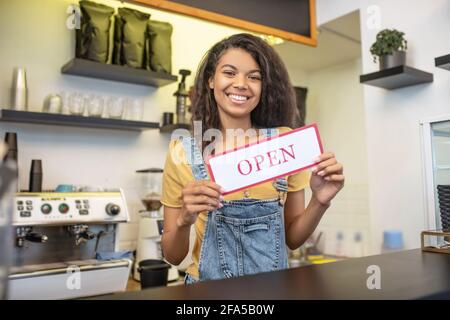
(294, 20)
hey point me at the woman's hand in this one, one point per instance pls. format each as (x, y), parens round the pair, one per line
(327, 178)
(198, 196)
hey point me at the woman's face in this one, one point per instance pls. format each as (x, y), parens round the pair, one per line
(236, 83)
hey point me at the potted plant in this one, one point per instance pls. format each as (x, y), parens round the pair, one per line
(390, 47)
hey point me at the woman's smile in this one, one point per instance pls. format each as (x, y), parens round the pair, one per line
(237, 98)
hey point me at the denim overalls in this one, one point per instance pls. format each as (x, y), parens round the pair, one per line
(244, 236)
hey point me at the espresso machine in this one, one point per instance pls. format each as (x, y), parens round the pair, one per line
(151, 220)
(66, 245)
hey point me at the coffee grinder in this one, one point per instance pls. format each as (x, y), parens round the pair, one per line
(151, 220)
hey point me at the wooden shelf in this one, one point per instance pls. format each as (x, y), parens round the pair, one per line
(443, 62)
(397, 77)
(74, 121)
(92, 69)
(171, 127)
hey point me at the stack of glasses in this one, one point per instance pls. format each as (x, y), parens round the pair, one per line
(444, 205)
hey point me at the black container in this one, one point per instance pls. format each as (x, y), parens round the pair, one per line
(11, 155)
(154, 273)
(36, 176)
(11, 141)
(167, 118)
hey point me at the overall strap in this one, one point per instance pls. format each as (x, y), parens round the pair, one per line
(194, 158)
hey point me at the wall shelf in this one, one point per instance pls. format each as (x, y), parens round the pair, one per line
(171, 127)
(397, 77)
(443, 62)
(74, 121)
(92, 69)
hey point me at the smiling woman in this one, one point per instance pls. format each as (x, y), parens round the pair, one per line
(236, 85)
(241, 84)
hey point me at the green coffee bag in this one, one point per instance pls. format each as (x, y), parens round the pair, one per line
(92, 39)
(159, 46)
(129, 37)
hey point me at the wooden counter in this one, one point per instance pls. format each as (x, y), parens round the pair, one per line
(411, 274)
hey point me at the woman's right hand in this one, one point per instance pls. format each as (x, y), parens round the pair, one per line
(199, 196)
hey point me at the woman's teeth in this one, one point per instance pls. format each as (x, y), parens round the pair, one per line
(237, 98)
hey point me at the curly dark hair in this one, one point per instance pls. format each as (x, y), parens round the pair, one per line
(277, 105)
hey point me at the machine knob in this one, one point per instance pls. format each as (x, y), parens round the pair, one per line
(46, 208)
(63, 208)
(112, 209)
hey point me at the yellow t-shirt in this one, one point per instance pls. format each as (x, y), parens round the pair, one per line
(177, 173)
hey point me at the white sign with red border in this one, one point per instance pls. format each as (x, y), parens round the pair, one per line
(266, 160)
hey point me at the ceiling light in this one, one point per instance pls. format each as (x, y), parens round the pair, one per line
(271, 40)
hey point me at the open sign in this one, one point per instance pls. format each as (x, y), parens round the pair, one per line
(266, 160)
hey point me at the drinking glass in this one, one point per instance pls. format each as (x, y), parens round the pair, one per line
(76, 103)
(65, 102)
(135, 109)
(115, 107)
(95, 105)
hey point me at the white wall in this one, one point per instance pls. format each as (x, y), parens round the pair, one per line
(392, 117)
(34, 36)
(299, 77)
(335, 103)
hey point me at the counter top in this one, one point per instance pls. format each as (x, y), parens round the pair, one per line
(411, 274)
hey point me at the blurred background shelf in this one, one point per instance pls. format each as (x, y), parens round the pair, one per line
(171, 127)
(397, 77)
(74, 121)
(92, 69)
(443, 62)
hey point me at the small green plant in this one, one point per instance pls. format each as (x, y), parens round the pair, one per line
(387, 42)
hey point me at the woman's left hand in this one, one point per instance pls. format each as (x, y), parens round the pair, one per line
(327, 178)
